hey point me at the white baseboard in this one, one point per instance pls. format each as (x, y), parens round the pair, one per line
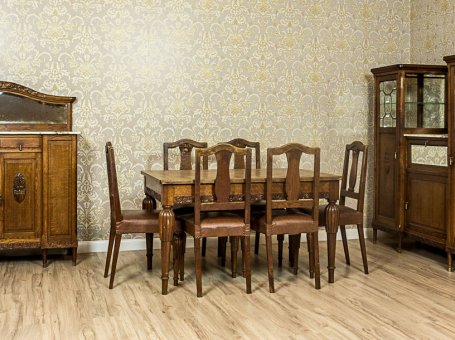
(139, 244)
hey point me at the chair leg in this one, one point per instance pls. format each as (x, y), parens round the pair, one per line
(204, 246)
(234, 240)
(363, 248)
(242, 246)
(291, 251)
(223, 251)
(317, 270)
(109, 252)
(149, 247)
(345, 244)
(118, 239)
(256, 242)
(268, 245)
(182, 256)
(280, 249)
(309, 240)
(246, 254)
(197, 262)
(176, 252)
(295, 251)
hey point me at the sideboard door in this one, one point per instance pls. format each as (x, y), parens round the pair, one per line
(20, 189)
(59, 193)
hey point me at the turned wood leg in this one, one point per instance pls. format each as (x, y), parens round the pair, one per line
(167, 225)
(148, 203)
(345, 244)
(149, 250)
(44, 253)
(291, 250)
(332, 218)
(74, 254)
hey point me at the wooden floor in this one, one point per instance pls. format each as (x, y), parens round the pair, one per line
(408, 295)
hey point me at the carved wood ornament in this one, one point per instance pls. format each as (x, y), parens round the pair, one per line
(19, 189)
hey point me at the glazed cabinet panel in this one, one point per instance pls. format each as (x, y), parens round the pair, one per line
(20, 189)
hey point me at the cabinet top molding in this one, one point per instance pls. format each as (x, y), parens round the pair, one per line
(410, 67)
(24, 109)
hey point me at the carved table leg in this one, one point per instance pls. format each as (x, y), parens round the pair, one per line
(148, 203)
(332, 221)
(167, 224)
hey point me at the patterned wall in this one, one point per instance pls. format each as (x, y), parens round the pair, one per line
(145, 72)
(433, 24)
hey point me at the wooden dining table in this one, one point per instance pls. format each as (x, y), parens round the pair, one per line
(175, 188)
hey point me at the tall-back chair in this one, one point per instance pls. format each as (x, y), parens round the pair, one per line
(125, 221)
(353, 187)
(218, 216)
(284, 214)
(239, 163)
(186, 147)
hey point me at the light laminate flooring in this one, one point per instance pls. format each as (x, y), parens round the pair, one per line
(408, 295)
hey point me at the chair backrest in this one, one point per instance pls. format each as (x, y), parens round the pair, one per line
(222, 198)
(114, 197)
(186, 147)
(350, 174)
(239, 162)
(293, 197)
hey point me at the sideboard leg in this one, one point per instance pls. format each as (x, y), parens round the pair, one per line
(44, 252)
(449, 260)
(74, 253)
(148, 203)
(375, 235)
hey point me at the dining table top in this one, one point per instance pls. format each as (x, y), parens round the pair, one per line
(237, 175)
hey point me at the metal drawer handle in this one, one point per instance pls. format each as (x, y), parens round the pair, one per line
(20, 147)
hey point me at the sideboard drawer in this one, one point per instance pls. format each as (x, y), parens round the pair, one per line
(14, 144)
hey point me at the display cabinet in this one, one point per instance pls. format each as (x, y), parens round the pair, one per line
(411, 163)
(37, 171)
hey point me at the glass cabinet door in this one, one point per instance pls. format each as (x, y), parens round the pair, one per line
(424, 105)
(388, 103)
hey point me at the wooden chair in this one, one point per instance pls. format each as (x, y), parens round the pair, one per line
(185, 147)
(216, 218)
(284, 215)
(349, 189)
(125, 221)
(239, 163)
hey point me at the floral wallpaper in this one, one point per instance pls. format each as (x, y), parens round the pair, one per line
(432, 27)
(150, 71)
